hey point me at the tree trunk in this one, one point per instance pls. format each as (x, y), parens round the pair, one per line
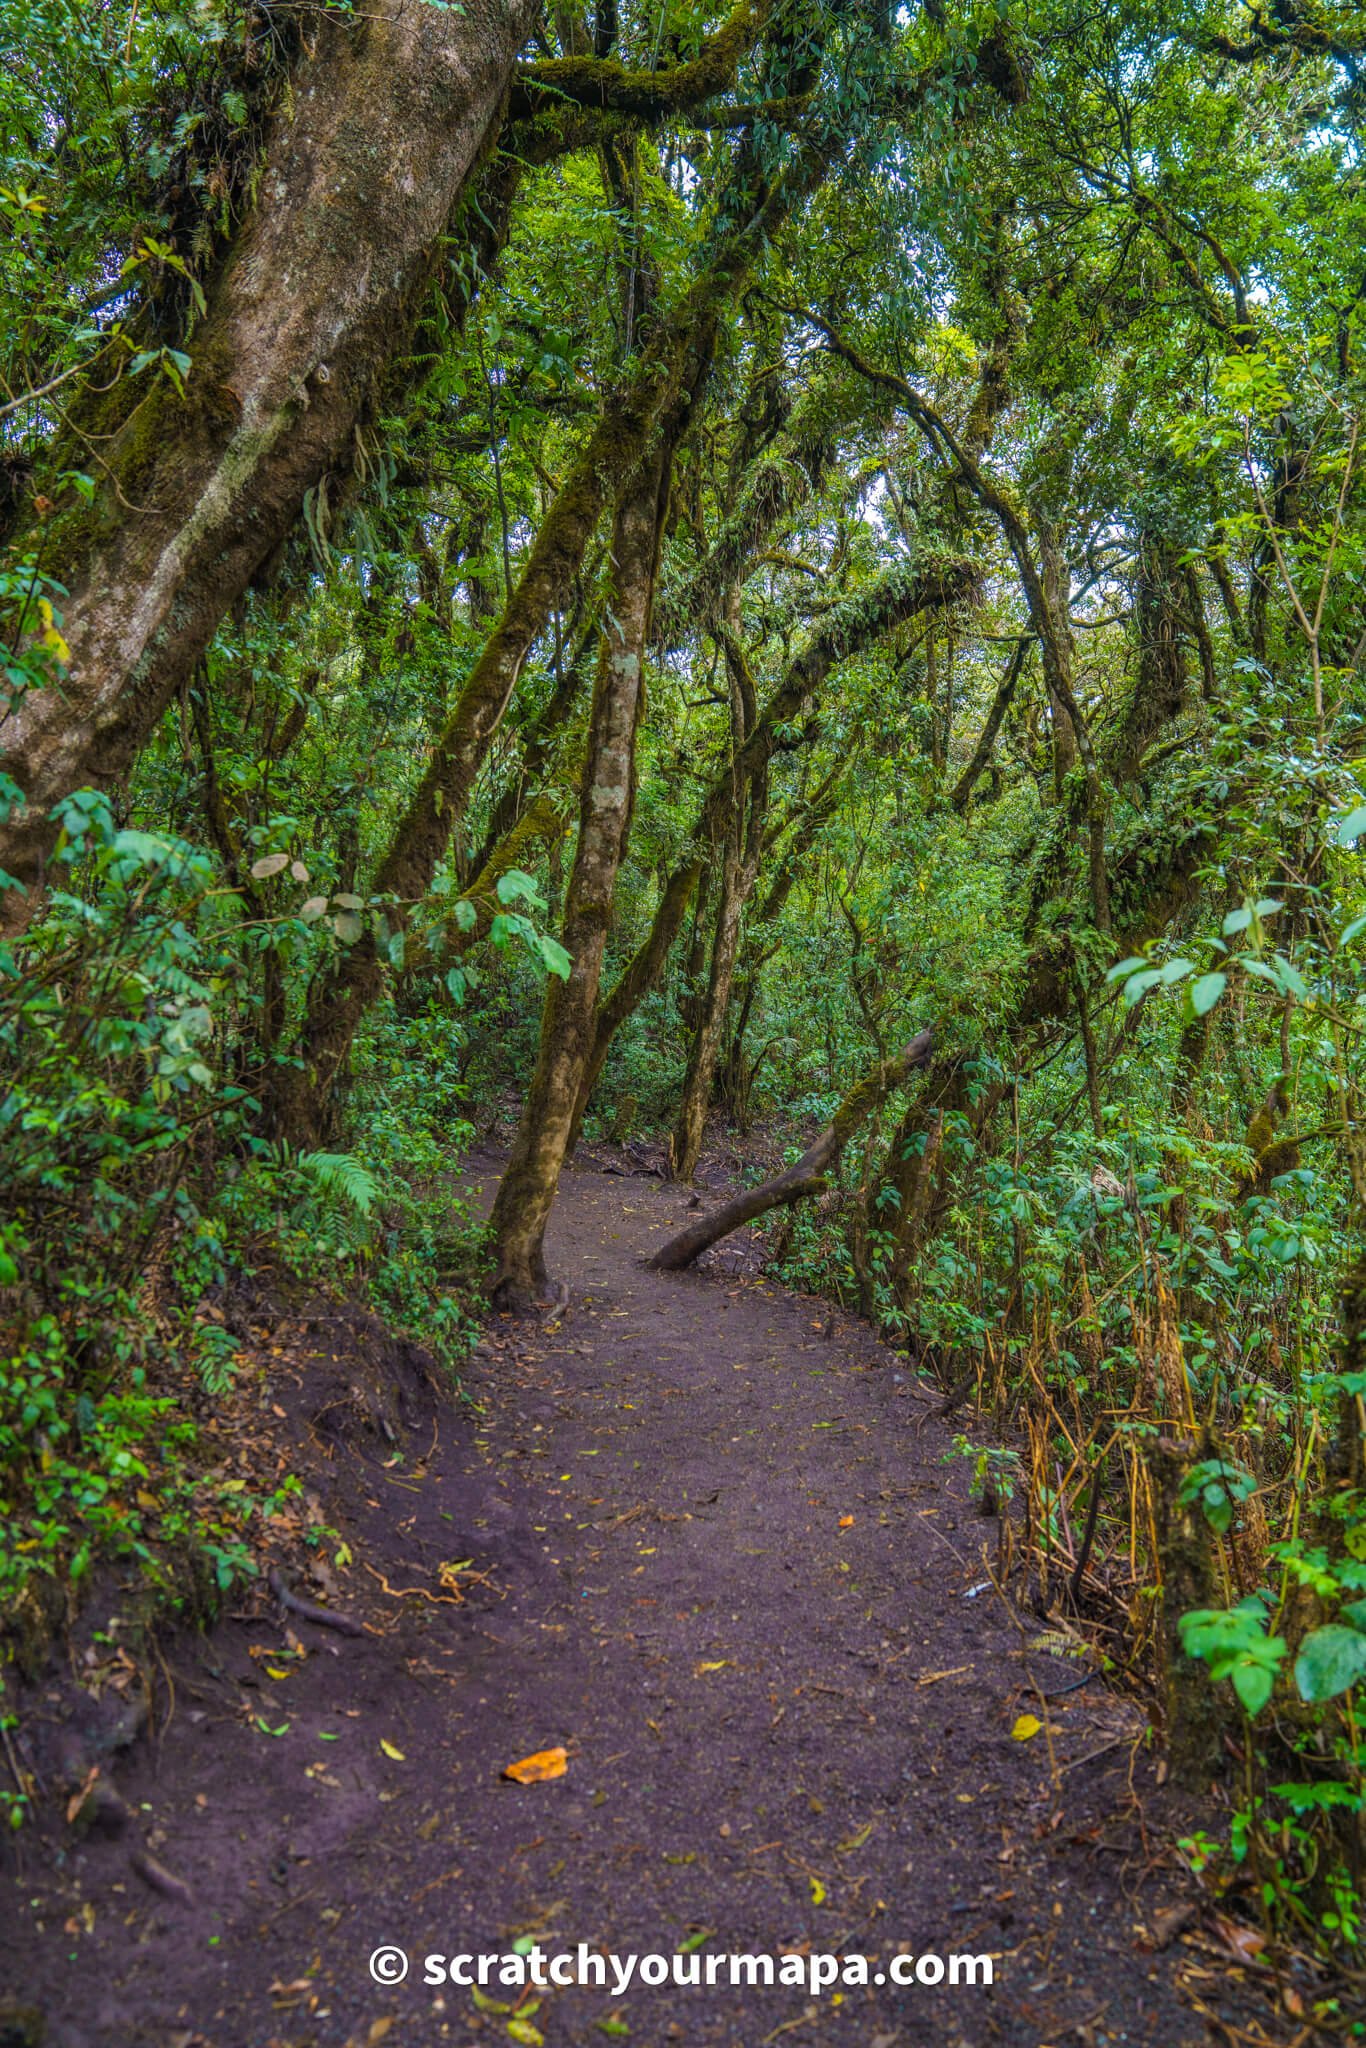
(636, 980)
(527, 1189)
(967, 781)
(807, 1175)
(739, 872)
(1160, 686)
(668, 378)
(362, 175)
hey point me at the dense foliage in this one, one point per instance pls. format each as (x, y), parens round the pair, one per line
(908, 467)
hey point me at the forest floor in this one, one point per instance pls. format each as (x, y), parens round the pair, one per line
(705, 1539)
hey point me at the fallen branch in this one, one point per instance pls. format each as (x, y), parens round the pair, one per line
(807, 1176)
(324, 1617)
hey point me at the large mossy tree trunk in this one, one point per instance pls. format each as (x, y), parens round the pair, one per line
(386, 117)
(527, 1189)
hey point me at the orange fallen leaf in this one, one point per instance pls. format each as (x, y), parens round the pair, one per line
(1244, 1944)
(78, 1799)
(846, 1521)
(535, 1769)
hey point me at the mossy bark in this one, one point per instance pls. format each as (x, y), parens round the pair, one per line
(638, 977)
(739, 872)
(1194, 1722)
(527, 1190)
(371, 152)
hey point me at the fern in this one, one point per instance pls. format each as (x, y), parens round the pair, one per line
(339, 1175)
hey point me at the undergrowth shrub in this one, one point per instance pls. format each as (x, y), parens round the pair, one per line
(136, 1184)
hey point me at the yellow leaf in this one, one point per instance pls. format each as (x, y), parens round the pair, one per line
(486, 2004)
(817, 1891)
(542, 1764)
(389, 1750)
(52, 639)
(524, 2033)
(274, 1671)
(717, 1664)
(1027, 1725)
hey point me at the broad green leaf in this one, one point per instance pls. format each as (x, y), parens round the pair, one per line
(1205, 992)
(1331, 1659)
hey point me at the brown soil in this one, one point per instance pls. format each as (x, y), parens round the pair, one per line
(708, 1543)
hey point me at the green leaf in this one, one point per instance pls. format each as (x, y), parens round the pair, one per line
(1290, 978)
(1349, 829)
(1205, 992)
(1253, 1684)
(1137, 986)
(553, 955)
(516, 887)
(1331, 1658)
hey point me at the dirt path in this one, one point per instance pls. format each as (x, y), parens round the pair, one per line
(728, 1571)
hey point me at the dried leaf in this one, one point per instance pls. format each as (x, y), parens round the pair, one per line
(716, 1664)
(846, 1521)
(268, 865)
(542, 1764)
(1243, 1943)
(78, 1799)
(1028, 1725)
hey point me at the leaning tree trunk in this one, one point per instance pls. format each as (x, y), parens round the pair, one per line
(362, 174)
(527, 1189)
(807, 1175)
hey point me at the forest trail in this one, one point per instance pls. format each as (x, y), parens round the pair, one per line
(724, 1566)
